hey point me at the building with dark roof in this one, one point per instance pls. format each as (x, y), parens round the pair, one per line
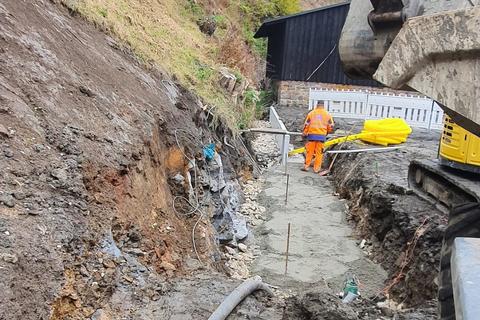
(304, 47)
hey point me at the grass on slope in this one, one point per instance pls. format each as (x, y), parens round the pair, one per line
(166, 33)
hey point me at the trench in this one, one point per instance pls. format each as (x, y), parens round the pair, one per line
(322, 247)
(366, 199)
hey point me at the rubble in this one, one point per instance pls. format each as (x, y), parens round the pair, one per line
(264, 146)
(8, 200)
(242, 247)
(238, 262)
(91, 174)
(10, 258)
(265, 150)
(4, 132)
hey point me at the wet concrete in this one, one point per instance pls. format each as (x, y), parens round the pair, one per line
(322, 247)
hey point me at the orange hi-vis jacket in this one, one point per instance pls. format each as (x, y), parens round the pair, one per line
(318, 124)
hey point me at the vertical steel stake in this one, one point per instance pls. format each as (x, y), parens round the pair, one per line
(288, 248)
(286, 191)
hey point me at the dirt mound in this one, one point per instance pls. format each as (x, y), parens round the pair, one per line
(316, 305)
(94, 150)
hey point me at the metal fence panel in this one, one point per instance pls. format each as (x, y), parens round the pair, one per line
(283, 141)
(417, 111)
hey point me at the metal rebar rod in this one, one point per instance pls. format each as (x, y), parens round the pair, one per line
(273, 131)
(288, 249)
(365, 150)
(286, 190)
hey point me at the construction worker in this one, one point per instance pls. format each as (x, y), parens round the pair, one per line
(318, 124)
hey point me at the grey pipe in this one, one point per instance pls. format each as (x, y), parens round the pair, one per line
(272, 131)
(237, 296)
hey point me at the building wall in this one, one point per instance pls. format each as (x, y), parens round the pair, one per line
(296, 93)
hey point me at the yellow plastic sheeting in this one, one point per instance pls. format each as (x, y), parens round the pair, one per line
(382, 132)
(385, 131)
(351, 137)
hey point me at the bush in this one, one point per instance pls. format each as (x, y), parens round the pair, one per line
(221, 21)
(195, 9)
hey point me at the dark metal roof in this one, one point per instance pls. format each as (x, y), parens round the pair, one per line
(265, 29)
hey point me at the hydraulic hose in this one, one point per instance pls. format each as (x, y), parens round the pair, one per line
(237, 296)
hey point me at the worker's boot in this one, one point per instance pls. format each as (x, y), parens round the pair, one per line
(306, 169)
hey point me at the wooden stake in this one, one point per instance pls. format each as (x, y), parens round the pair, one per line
(288, 248)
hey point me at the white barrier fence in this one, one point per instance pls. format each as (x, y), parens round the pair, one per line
(283, 141)
(417, 111)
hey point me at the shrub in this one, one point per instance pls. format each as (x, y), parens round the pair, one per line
(286, 7)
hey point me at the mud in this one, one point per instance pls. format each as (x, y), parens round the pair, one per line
(109, 210)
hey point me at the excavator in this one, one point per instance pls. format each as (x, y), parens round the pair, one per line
(432, 47)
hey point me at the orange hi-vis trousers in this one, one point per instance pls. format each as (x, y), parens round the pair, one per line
(314, 148)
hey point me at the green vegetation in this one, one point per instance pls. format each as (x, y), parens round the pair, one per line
(221, 21)
(102, 12)
(203, 72)
(196, 10)
(166, 33)
(259, 10)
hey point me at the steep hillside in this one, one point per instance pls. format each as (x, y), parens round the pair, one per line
(101, 164)
(313, 4)
(208, 46)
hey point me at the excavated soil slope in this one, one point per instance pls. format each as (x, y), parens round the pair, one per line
(404, 230)
(89, 166)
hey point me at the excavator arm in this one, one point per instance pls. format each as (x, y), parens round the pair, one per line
(432, 47)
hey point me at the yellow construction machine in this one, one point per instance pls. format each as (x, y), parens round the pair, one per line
(433, 47)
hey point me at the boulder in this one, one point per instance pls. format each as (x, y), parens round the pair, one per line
(227, 80)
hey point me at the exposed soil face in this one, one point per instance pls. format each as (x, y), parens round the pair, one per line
(405, 231)
(90, 166)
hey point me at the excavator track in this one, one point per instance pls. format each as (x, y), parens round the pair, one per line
(441, 185)
(457, 193)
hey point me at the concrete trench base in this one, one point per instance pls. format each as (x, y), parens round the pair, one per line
(322, 248)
